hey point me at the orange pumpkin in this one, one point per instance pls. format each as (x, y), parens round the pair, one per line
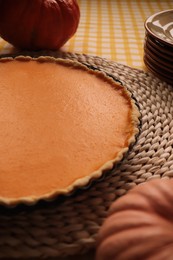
(140, 224)
(38, 24)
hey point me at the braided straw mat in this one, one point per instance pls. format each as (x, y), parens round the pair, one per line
(70, 225)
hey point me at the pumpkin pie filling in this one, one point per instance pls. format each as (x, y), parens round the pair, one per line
(61, 124)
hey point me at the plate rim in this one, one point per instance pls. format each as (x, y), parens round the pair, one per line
(149, 19)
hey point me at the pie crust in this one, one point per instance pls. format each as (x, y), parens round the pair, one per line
(62, 125)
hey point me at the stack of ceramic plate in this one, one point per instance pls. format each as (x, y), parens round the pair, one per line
(158, 46)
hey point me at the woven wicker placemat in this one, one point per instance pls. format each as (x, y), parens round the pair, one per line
(70, 225)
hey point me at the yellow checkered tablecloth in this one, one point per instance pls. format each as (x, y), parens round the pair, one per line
(112, 29)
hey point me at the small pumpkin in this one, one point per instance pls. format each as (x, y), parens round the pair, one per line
(38, 24)
(139, 224)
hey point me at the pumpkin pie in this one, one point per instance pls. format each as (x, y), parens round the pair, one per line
(62, 125)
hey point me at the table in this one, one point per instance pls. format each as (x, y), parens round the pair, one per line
(113, 30)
